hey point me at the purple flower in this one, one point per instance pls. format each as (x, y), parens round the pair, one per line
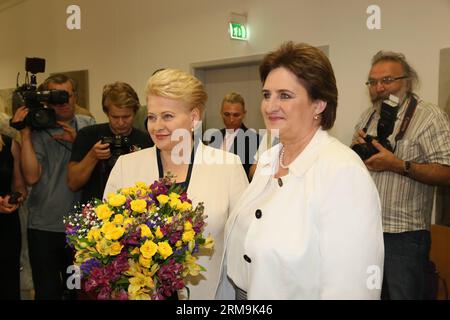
(87, 266)
(121, 295)
(104, 294)
(170, 279)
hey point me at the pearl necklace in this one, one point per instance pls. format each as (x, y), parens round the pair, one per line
(281, 159)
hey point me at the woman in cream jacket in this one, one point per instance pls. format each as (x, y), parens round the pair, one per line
(309, 224)
(175, 102)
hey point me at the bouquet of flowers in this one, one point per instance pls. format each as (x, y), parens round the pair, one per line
(139, 243)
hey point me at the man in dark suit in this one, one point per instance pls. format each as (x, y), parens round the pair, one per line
(236, 137)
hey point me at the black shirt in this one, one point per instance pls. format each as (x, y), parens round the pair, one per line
(87, 138)
(6, 166)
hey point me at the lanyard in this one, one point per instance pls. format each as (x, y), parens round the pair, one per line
(406, 119)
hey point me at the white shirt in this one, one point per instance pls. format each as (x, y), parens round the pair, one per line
(319, 235)
(230, 134)
(217, 180)
(407, 204)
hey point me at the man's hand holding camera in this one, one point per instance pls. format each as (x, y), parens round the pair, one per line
(383, 160)
(100, 151)
(18, 120)
(10, 202)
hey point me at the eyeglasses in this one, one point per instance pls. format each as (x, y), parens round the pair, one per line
(383, 81)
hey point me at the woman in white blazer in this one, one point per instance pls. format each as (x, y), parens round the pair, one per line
(309, 224)
(175, 102)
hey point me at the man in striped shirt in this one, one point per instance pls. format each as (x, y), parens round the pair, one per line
(405, 176)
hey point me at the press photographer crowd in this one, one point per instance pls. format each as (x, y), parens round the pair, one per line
(276, 206)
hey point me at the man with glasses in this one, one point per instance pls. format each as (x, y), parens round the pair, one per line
(405, 177)
(44, 158)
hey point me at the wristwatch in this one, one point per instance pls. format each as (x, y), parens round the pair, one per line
(407, 168)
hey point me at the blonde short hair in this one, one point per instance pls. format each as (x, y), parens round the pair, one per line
(178, 85)
(234, 97)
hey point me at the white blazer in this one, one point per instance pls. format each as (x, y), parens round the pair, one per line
(217, 180)
(320, 238)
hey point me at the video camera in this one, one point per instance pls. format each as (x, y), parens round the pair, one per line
(119, 145)
(388, 115)
(39, 116)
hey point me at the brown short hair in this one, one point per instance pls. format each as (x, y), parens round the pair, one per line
(312, 69)
(121, 95)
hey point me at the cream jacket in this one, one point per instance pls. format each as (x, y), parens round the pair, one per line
(321, 238)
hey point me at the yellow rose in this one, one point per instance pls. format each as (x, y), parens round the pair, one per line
(115, 234)
(145, 231)
(158, 233)
(175, 203)
(188, 235)
(110, 195)
(115, 248)
(117, 200)
(187, 226)
(162, 199)
(118, 219)
(145, 262)
(139, 205)
(135, 251)
(132, 191)
(102, 247)
(178, 244)
(141, 192)
(169, 220)
(111, 231)
(148, 249)
(94, 235)
(107, 227)
(125, 191)
(128, 221)
(141, 185)
(174, 195)
(164, 249)
(103, 212)
(186, 206)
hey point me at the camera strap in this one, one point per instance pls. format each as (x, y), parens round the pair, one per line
(406, 119)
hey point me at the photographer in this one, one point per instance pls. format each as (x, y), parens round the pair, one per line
(12, 193)
(418, 136)
(97, 148)
(44, 158)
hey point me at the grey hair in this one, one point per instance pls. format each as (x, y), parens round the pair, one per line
(59, 78)
(413, 78)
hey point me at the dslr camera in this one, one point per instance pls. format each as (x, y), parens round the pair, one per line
(14, 197)
(388, 115)
(118, 145)
(39, 116)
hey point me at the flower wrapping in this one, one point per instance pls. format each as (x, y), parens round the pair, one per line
(139, 243)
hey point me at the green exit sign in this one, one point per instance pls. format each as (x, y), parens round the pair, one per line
(238, 31)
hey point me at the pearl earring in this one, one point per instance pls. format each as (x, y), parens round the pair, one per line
(316, 117)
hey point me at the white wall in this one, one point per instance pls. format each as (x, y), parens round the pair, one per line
(128, 40)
